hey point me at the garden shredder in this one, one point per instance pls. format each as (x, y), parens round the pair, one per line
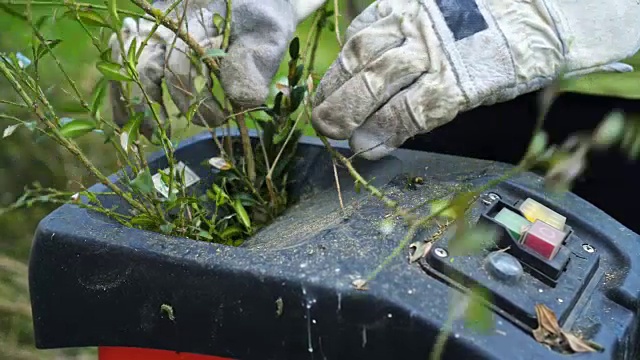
(288, 292)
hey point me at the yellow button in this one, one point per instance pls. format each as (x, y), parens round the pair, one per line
(533, 211)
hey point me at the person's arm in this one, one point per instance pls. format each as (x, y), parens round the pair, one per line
(260, 33)
(410, 66)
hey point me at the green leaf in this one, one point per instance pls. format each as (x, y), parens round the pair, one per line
(231, 232)
(143, 182)
(242, 214)
(113, 71)
(473, 240)
(478, 316)
(439, 205)
(91, 196)
(131, 54)
(206, 235)
(294, 48)
(297, 95)
(98, 95)
(331, 26)
(144, 221)
(610, 130)
(106, 55)
(284, 133)
(199, 83)
(88, 17)
(31, 125)
(43, 50)
(277, 104)
(76, 128)
(246, 199)
(293, 81)
(218, 22)
(538, 144)
(131, 131)
(40, 22)
(167, 228)
(220, 196)
(193, 108)
(619, 85)
(214, 53)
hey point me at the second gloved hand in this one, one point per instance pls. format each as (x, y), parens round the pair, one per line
(260, 33)
(409, 66)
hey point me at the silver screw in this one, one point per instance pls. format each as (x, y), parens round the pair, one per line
(440, 252)
(491, 198)
(588, 248)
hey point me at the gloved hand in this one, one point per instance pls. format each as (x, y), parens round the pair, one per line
(409, 66)
(260, 34)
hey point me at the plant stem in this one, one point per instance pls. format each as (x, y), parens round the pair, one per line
(354, 173)
(336, 10)
(227, 27)
(246, 145)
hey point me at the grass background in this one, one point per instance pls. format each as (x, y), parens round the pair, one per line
(23, 160)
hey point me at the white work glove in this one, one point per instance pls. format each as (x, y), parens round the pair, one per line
(260, 34)
(409, 66)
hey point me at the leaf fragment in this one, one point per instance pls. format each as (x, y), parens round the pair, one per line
(168, 310)
(360, 284)
(420, 250)
(551, 334)
(220, 163)
(9, 130)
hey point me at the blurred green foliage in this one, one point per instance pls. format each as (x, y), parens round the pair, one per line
(624, 85)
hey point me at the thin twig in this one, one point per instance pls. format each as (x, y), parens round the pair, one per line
(12, 103)
(336, 14)
(246, 145)
(227, 27)
(335, 175)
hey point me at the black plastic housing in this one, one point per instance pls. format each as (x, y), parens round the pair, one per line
(287, 293)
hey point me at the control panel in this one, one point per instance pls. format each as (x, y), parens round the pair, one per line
(537, 258)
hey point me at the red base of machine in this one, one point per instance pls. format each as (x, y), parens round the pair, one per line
(126, 353)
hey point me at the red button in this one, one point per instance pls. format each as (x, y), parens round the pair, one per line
(544, 239)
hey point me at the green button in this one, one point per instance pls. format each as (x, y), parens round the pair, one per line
(515, 224)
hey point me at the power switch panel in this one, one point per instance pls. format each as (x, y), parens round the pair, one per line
(544, 239)
(514, 223)
(533, 211)
(541, 248)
